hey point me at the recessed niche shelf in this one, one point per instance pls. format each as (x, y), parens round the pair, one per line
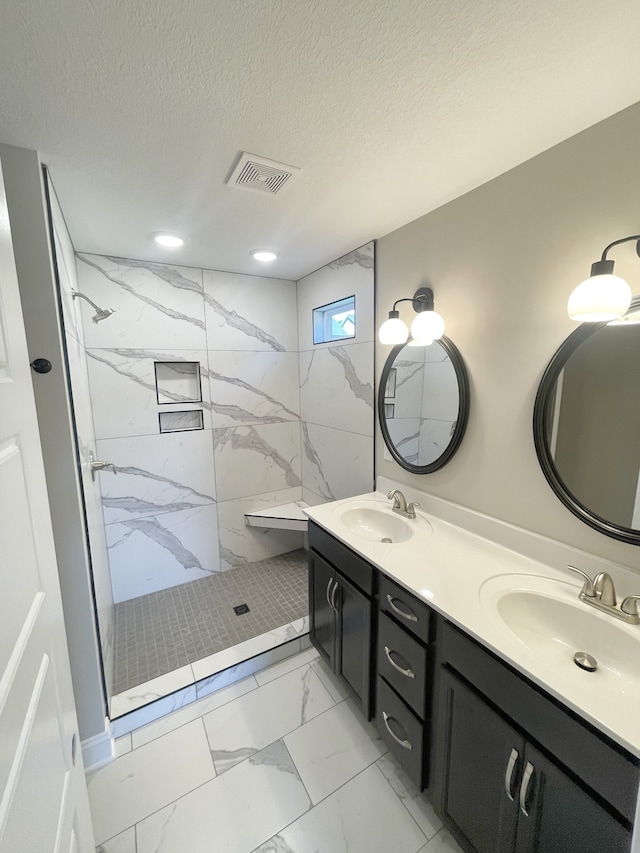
(178, 382)
(181, 421)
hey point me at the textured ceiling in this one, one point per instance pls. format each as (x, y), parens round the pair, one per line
(140, 109)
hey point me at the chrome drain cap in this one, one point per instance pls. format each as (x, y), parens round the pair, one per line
(585, 661)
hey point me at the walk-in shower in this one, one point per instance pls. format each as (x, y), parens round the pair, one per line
(225, 409)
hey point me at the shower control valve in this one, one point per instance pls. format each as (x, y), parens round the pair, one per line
(99, 465)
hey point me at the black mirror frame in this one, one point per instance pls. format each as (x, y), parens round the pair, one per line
(541, 412)
(463, 408)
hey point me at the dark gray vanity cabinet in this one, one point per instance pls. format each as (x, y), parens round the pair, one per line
(509, 768)
(516, 771)
(341, 587)
(403, 684)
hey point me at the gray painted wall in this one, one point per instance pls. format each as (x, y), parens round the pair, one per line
(502, 261)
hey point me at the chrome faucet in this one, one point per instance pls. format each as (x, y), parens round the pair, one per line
(601, 594)
(605, 590)
(400, 504)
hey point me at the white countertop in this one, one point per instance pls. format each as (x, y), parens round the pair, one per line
(446, 566)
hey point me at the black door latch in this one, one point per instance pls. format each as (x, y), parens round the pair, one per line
(41, 365)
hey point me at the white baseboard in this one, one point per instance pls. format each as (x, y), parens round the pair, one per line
(97, 750)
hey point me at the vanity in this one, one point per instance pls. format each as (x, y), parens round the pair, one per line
(501, 669)
(439, 634)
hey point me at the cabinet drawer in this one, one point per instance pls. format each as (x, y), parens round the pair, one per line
(405, 608)
(402, 732)
(402, 662)
(353, 567)
(599, 762)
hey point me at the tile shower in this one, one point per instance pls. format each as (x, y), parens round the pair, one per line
(210, 399)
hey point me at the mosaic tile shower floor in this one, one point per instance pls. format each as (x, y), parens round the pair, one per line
(160, 632)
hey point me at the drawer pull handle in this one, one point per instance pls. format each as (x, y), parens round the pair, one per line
(329, 593)
(411, 617)
(333, 596)
(403, 743)
(524, 788)
(508, 776)
(408, 672)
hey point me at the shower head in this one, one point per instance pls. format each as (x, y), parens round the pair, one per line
(101, 313)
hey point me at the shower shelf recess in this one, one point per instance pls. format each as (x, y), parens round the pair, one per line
(288, 516)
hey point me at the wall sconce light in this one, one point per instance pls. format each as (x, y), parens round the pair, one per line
(427, 325)
(603, 296)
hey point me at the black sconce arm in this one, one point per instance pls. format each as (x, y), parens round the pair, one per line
(635, 237)
(422, 300)
(604, 266)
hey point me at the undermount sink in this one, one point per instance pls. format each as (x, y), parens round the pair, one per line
(548, 618)
(378, 523)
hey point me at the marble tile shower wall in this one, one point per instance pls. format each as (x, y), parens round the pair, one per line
(337, 383)
(174, 511)
(79, 379)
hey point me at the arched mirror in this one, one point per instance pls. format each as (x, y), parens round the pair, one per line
(423, 404)
(586, 425)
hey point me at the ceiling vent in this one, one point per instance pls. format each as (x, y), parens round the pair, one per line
(259, 175)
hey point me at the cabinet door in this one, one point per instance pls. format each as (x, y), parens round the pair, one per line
(561, 816)
(322, 631)
(483, 766)
(353, 641)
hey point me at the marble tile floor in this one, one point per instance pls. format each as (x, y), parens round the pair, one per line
(161, 632)
(280, 762)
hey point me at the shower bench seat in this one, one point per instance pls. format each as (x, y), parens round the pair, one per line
(284, 517)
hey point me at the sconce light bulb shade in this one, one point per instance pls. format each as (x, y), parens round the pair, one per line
(427, 327)
(600, 298)
(393, 331)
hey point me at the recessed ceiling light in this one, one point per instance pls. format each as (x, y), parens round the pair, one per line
(264, 255)
(169, 241)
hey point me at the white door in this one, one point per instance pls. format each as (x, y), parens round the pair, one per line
(43, 796)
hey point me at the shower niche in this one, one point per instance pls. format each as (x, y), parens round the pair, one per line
(181, 421)
(178, 382)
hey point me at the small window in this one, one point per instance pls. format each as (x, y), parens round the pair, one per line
(335, 322)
